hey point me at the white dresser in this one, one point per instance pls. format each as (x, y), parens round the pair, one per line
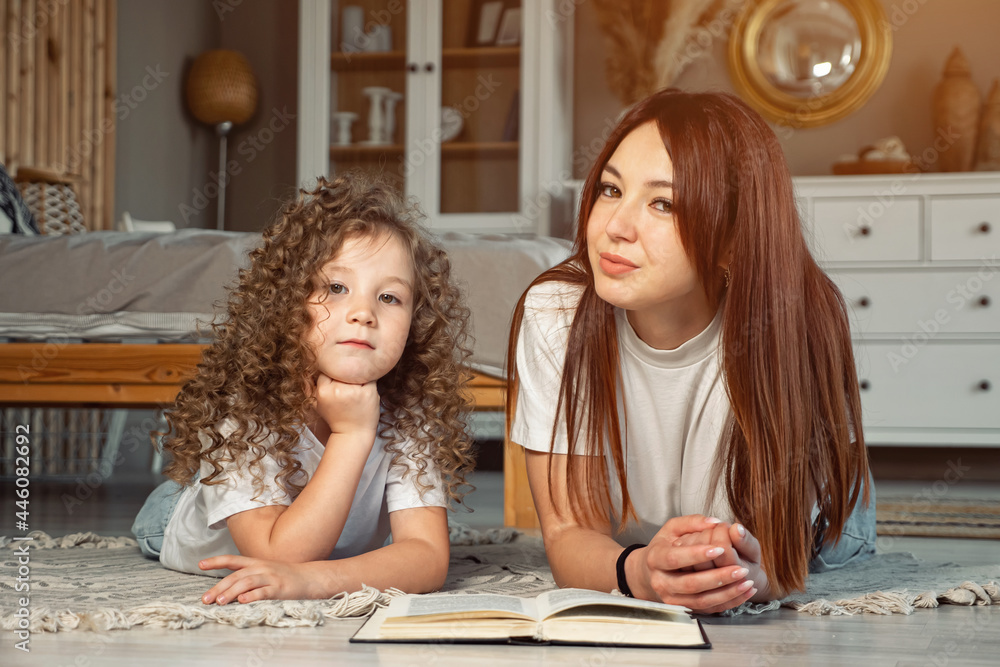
(917, 258)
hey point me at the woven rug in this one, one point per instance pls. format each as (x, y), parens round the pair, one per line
(943, 517)
(88, 582)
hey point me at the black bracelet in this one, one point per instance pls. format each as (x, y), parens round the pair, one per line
(620, 570)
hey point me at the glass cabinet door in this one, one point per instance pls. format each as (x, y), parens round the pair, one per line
(479, 100)
(368, 97)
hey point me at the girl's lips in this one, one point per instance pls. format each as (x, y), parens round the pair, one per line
(616, 265)
(357, 343)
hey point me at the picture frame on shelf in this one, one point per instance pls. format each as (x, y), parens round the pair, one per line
(484, 20)
(509, 32)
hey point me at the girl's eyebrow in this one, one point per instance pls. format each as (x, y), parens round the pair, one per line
(408, 284)
(649, 184)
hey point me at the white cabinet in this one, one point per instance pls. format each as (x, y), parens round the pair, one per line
(916, 257)
(505, 168)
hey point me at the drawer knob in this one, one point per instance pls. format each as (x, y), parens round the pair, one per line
(984, 301)
(429, 67)
(985, 385)
(864, 230)
(865, 385)
(412, 67)
(864, 302)
(985, 228)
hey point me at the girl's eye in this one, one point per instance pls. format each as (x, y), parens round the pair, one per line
(609, 190)
(388, 298)
(664, 205)
(337, 288)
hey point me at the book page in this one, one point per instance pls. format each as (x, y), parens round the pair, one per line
(554, 602)
(498, 606)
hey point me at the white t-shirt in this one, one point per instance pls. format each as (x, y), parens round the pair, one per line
(675, 403)
(197, 528)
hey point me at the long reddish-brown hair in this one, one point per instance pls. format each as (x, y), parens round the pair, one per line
(795, 429)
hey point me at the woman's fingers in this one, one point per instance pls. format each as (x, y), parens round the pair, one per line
(700, 591)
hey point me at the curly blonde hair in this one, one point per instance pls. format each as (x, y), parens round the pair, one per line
(253, 372)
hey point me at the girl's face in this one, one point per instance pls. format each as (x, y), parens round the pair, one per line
(361, 309)
(634, 246)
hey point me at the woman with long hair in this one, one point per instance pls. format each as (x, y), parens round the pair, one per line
(684, 383)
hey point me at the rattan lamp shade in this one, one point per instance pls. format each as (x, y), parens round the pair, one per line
(221, 88)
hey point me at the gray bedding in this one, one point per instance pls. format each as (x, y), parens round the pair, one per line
(132, 286)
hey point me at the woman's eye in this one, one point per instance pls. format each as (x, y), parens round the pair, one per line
(608, 190)
(388, 298)
(664, 205)
(337, 288)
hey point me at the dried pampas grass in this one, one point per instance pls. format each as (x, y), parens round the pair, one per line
(649, 40)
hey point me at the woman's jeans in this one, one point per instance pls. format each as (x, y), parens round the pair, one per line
(151, 522)
(857, 540)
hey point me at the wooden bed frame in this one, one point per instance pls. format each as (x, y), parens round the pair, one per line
(149, 376)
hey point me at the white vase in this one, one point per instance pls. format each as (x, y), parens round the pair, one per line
(352, 28)
(342, 127)
(376, 114)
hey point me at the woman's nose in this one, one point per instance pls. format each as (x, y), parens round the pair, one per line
(621, 222)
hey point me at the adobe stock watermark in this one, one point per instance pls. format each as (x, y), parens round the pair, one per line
(868, 214)
(362, 36)
(248, 149)
(95, 304)
(962, 295)
(421, 149)
(928, 496)
(122, 107)
(29, 26)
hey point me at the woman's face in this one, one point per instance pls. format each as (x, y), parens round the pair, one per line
(361, 309)
(633, 242)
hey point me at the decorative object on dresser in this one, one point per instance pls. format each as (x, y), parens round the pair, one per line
(956, 113)
(916, 258)
(377, 96)
(988, 148)
(886, 156)
(221, 90)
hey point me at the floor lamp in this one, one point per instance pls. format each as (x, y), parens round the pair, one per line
(221, 91)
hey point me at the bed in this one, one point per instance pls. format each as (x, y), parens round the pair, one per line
(115, 319)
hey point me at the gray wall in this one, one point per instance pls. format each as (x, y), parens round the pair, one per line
(166, 161)
(922, 42)
(161, 153)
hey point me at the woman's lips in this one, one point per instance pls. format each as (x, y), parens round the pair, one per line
(615, 265)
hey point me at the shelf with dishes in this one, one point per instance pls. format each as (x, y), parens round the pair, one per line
(487, 56)
(458, 149)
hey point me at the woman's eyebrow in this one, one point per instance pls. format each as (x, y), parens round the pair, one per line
(649, 184)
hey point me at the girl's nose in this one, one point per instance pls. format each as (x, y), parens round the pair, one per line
(361, 312)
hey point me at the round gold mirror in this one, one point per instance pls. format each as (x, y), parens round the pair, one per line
(804, 63)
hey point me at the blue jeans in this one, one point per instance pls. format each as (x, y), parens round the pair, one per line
(151, 522)
(857, 539)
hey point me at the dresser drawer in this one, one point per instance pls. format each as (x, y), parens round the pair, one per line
(867, 229)
(965, 227)
(934, 385)
(912, 301)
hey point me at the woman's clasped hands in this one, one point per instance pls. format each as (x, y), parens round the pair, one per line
(701, 563)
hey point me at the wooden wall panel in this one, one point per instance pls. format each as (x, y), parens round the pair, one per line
(57, 92)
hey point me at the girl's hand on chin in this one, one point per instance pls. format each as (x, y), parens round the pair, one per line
(347, 408)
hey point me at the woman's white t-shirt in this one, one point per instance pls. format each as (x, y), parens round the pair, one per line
(675, 410)
(197, 528)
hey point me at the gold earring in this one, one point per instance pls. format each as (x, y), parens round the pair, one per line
(727, 276)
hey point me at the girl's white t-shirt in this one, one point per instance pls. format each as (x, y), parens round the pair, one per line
(675, 411)
(197, 528)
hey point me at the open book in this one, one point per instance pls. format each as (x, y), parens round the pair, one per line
(565, 616)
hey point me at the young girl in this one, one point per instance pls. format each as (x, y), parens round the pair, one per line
(328, 414)
(690, 359)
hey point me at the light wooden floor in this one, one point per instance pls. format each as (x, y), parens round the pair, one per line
(947, 636)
